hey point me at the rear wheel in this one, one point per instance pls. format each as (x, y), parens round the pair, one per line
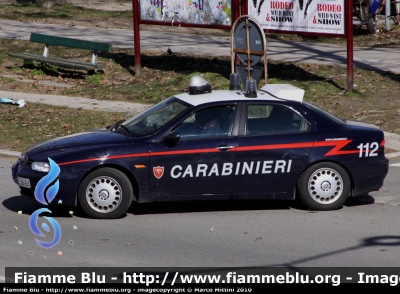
(324, 186)
(105, 193)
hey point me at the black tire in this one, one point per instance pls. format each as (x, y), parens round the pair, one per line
(372, 25)
(105, 193)
(324, 186)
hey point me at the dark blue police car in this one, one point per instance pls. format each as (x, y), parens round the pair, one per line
(213, 145)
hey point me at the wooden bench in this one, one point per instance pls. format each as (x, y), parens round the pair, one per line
(65, 42)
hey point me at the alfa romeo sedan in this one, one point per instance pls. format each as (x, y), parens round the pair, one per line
(210, 145)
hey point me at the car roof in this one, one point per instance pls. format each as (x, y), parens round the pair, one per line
(221, 96)
(269, 92)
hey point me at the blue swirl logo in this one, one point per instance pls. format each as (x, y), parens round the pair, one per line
(35, 229)
(45, 197)
(46, 181)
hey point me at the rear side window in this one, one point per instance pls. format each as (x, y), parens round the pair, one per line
(273, 119)
(326, 114)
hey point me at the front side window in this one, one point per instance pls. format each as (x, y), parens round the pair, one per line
(272, 119)
(207, 123)
(155, 118)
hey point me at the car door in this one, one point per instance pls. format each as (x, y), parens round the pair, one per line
(274, 141)
(200, 164)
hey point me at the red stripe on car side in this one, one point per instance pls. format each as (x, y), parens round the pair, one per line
(104, 158)
(276, 146)
(194, 151)
(208, 150)
(337, 145)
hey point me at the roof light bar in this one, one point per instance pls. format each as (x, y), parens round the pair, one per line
(199, 85)
(234, 82)
(251, 88)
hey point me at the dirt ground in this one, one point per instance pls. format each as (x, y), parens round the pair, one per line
(104, 5)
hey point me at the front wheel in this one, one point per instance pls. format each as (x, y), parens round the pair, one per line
(105, 193)
(324, 186)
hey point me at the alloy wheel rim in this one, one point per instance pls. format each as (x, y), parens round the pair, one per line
(104, 194)
(325, 185)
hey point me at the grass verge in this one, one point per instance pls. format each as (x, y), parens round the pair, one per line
(32, 12)
(23, 127)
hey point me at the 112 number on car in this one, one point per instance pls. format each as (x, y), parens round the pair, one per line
(367, 147)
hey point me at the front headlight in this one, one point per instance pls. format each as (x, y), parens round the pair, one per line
(41, 167)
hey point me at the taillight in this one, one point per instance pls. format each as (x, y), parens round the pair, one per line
(383, 143)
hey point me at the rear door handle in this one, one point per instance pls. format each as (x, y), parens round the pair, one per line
(225, 147)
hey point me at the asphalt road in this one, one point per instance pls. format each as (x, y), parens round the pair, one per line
(364, 233)
(370, 58)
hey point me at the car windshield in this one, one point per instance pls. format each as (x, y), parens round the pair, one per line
(326, 114)
(155, 117)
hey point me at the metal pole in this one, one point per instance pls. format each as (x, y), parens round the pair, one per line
(235, 12)
(349, 33)
(397, 5)
(248, 49)
(387, 15)
(243, 7)
(136, 36)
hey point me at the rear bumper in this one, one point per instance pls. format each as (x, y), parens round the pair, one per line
(370, 177)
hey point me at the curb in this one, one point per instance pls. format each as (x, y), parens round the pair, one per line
(392, 155)
(9, 153)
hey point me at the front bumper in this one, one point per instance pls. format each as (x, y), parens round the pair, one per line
(68, 183)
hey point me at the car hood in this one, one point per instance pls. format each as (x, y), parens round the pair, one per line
(78, 141)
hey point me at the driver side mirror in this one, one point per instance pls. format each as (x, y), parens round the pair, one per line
(172, 138)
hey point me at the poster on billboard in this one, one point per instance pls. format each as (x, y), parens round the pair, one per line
(195, 12)
(311, 16)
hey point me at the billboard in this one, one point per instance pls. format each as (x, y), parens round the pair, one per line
(311, 16)
(196, 12)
